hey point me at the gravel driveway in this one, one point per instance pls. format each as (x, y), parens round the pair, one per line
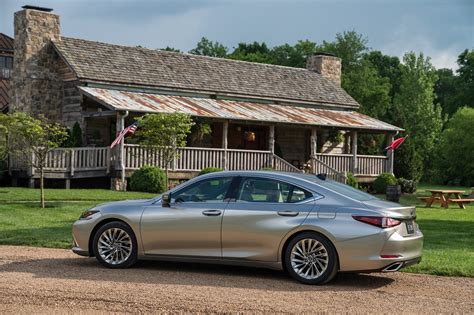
(43, 280)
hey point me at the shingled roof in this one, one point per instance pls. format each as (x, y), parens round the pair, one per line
(100, 62)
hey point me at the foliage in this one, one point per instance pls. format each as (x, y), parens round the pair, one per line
(206, 47)
(466, 78)
(455, 152)
(382, 181)
(408, 163)
(32, 139)
(164, 132)
(408, 186)
(255, 52)
(210, 170)
(352, 180)
(75, 136)
(335, 136)
(148, 179)
(414, 106)
(168, 48)
(199, 131)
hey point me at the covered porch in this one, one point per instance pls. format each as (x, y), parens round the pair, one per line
(245, 135)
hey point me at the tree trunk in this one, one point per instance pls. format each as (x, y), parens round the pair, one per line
(42, 186)
(167, 177)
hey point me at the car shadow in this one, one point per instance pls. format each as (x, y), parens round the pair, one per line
(154, 272)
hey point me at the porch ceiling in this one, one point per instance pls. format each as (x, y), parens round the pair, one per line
(234, 110)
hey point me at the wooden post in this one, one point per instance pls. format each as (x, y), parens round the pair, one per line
(120, 150)
(355, 167)
(314, 142)
(271, 146)
(390, 153)
(68, 183)
(72, 159)
(225, 130)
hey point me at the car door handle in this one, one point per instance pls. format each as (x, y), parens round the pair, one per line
(210, 213)
(288, 213)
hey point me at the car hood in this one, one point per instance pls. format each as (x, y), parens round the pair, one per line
(125, 204)
(391, 208)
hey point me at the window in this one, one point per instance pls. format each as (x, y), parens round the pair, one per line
(269, 190)
(6, 62)
(209, 190)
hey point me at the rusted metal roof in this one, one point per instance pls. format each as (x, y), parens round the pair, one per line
(234, 110)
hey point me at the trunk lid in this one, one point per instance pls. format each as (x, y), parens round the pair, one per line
(392, 209)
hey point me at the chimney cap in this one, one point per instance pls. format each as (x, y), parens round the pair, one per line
(33, 7)
(323, 53)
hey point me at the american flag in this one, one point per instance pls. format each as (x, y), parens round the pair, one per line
(130, 130)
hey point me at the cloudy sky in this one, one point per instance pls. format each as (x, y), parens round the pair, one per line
(440, 29)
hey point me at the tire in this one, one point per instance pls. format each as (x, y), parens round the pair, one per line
(310, 258)
(121, 252)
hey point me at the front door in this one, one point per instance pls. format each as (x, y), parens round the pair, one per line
(264, 211)
(191, 226)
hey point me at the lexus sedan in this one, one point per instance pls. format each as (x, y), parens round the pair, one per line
(311, 226)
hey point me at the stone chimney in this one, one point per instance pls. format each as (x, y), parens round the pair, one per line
(329, 66)
(35, 85)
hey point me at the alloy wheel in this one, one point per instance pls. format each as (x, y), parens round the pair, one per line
(114, 246)
(309, 258)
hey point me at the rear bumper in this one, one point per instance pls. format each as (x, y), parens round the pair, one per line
(364, 254)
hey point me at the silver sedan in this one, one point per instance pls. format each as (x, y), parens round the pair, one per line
(311, 226)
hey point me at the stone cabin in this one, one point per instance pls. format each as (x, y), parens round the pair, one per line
(252, 108)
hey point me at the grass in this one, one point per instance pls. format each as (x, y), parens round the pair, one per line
(449, 233)
(23, 222)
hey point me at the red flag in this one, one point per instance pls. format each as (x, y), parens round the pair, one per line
(130, 130)
(395, 144)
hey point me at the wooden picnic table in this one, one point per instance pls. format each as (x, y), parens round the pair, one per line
(445, 196)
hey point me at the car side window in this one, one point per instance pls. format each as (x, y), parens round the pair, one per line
(208, 190)
(269, 190)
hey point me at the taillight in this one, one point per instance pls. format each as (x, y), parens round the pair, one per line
(381, 222)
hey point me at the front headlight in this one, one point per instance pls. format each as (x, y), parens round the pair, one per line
(88, 214)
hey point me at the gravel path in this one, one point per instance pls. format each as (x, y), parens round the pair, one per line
(40, 280)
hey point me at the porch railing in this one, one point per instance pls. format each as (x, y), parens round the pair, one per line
(67, 160)
(195, 159)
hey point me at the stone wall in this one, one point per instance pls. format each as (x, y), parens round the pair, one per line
(37, 87)
(328, 66)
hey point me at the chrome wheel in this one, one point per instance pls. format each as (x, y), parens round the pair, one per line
(309, 258)
(114, 246)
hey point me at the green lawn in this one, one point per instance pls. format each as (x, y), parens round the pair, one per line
(449, 233)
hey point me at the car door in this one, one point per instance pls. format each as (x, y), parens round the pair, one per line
(263, 212)
(191, 225)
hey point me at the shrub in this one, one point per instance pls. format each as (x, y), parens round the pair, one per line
(408, 163)
(382, 181)
(352, 180)
(408, 186)
(210, 170)
(148, 179)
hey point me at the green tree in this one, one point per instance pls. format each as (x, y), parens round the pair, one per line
(387, 67)
(165, 133)
(75, 138)
(350, 46)
(168, 48)
(454, 154)
(32, 139)
(408, 163)
(206, 47)
(254, 52)
(447, 91)
(466, 78)
(414, 107)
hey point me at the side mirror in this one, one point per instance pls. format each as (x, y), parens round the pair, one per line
(166, 200)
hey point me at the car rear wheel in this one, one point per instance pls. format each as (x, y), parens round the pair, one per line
(310, 258)
(115, 245)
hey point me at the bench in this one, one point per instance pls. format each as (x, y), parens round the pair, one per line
(461, 202)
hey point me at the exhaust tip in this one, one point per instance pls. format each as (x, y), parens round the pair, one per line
(393, 267)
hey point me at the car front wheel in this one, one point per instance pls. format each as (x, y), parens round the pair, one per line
(310, 258)
(115, 245)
